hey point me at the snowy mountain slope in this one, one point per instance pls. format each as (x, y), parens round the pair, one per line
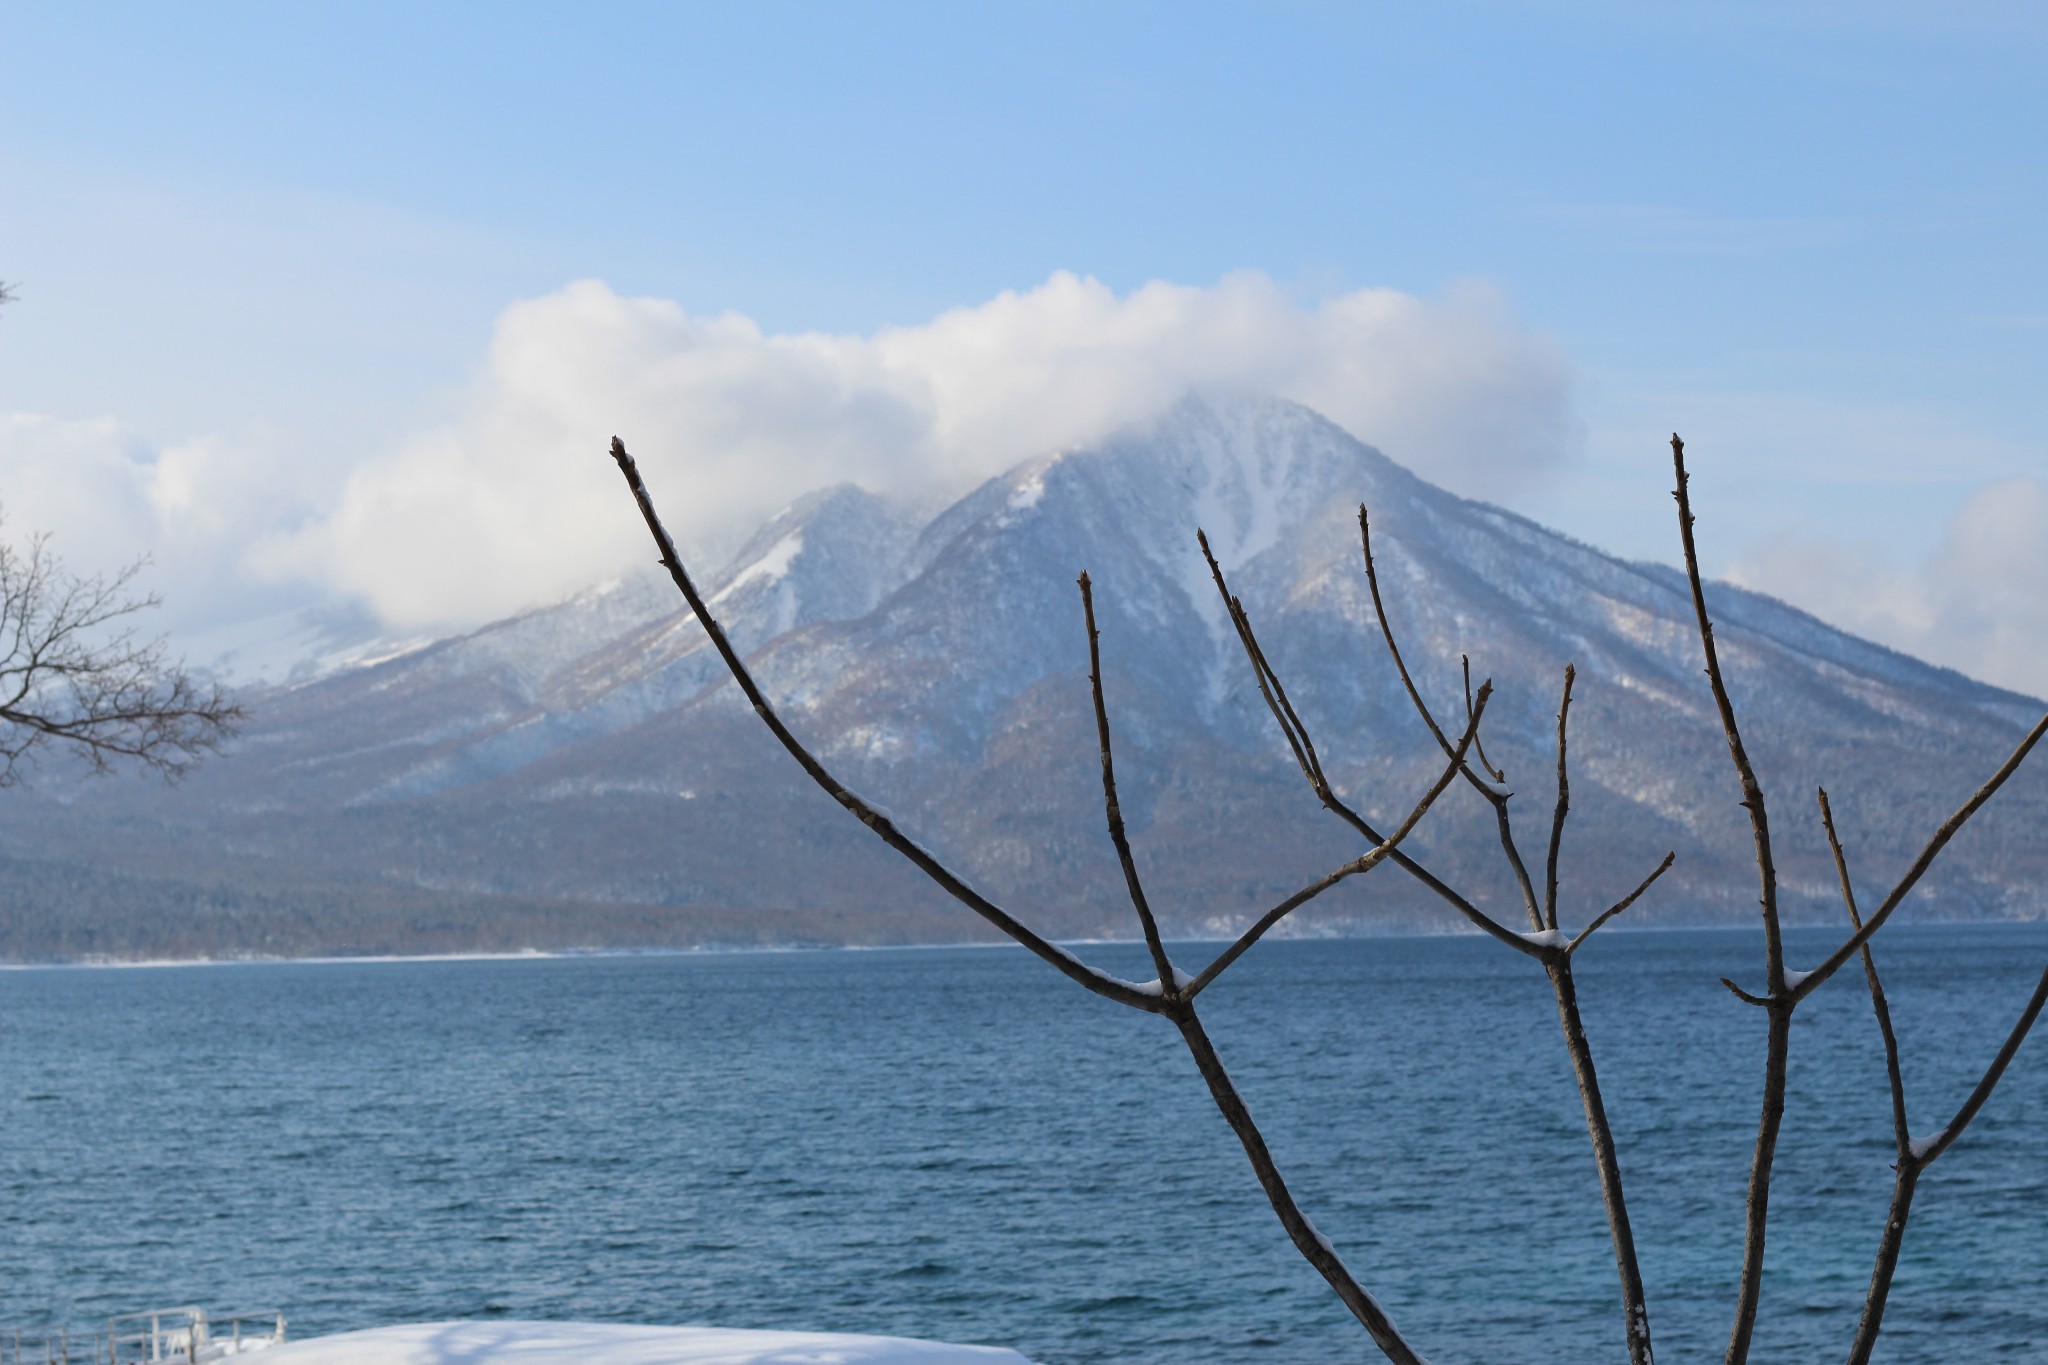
(492, 701)
(917, 696)
(591, 753)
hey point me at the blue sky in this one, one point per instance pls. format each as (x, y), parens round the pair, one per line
(1808, 236)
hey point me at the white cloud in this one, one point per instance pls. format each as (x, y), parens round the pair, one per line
(83, 482)
(514, 502)
(107, 497)
(1976, 603)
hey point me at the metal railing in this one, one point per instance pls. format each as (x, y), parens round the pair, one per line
(51, 1347)
(162, 1336)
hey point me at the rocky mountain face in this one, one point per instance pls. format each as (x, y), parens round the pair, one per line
(584, 775)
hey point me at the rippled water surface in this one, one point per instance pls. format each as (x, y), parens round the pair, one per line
(959, 1144)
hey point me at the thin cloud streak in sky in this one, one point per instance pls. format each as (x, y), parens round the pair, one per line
(1974, 604)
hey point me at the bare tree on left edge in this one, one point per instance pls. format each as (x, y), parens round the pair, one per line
(76, 676)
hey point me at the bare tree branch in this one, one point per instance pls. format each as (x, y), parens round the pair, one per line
(1478, 746)
(1270, 686)
(1913, 1156)
(1564, 806)
(1901, 1131)
(1313, 1246)
(1179, 999)
(1761, 1001)
(1166, 997)
(1813, 979)
(1784, 991)
(1624, 903)
(1297, 738)
(1635, 1307)
(1905, 1180)
(1992, 1074)
(1494, 793)
(1385, 848)
(1111, 809)
(1545, 944)
(1752, 791)
(1779, 1036)
(1062, 961)
(74, 674)
(1906, 1168)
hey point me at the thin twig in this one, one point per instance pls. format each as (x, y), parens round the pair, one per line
(1111, 809)
(1479, 747)
(1284, 716)
(1752, 791)
(1928, 854)
(1564, 805)
(1900, 1129)
(1270, 686)
(1313, 765)
(1370, 860)
(1379, 607)
(1624, 903)
(1762, 1001)
(884, 828)
(1992, 1074)
(1495, 794)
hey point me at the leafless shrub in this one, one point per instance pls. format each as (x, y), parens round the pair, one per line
(75, 676)
(1173, 992)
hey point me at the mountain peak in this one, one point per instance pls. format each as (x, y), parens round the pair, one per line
(941, 669)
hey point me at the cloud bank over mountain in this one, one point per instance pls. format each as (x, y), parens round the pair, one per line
(504, 500)
(509, 501)
(513, 503)
(107, 495)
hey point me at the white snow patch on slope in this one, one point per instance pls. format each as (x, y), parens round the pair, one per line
(296, 647)
(591, 1343)
(1027, 494)
(770, 568)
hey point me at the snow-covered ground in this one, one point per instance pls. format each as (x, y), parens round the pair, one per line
(593, 1343)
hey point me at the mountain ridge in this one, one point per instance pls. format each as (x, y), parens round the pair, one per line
(588, 754)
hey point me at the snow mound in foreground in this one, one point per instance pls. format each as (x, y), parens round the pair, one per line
(595, 1343)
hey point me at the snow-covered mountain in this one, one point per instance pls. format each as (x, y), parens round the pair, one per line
(584, 774)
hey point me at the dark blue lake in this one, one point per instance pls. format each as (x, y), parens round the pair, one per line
(958, 1143)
